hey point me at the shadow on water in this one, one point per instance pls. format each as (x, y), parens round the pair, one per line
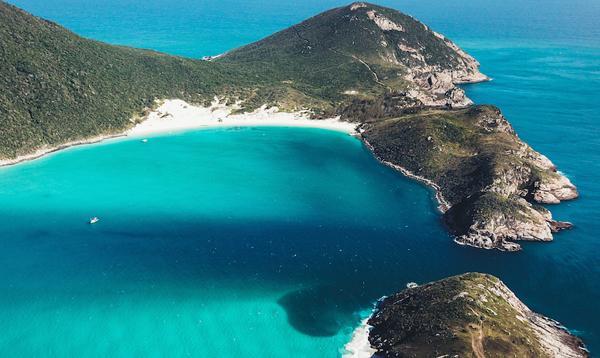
(320, 311)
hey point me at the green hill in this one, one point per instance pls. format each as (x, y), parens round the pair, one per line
(56, 87)
(363, 49)
(470, 315)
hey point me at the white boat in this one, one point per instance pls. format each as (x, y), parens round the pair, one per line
(412, 285)
(94, 220)
(144, 140)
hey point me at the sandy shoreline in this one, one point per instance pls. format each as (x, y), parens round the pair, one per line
(177, 116)
(359, 346)
(45, 151)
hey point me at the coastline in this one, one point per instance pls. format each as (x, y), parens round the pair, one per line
(443, 204)
(175, 115)
(359, 345)
(42, 152)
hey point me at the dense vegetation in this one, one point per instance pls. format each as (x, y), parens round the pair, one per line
(344, 49)
(471, 315)
(56, 86)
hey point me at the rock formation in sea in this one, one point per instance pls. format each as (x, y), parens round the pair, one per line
(470, 315)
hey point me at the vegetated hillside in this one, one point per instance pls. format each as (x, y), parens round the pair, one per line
(361, 50)
(56, 87)
(485, 172)
(470, 315)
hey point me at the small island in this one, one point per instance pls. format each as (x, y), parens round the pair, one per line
(470, 315)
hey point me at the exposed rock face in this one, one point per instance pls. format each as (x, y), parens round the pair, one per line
(470, 315)
(500, 228)
(554, 190)
(433, 84)
(436, 85)
(488, 178)
(383, 22)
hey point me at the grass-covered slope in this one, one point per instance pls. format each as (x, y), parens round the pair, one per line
(484, 171)
(471, 315)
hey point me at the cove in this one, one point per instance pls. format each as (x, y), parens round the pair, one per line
(210, 243)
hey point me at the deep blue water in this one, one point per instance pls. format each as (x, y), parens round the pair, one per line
(268, 241)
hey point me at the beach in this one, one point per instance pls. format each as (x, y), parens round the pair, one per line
(174, 115)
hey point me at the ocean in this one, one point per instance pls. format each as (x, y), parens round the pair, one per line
(275, 242)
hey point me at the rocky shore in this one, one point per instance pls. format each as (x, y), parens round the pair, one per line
(470, 315)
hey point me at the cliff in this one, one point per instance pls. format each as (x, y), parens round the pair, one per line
(470, 315)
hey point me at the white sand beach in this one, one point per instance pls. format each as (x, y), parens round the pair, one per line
(175, 115)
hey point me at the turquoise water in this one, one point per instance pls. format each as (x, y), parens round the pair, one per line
(272, 241)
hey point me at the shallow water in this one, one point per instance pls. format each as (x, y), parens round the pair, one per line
(270, 241)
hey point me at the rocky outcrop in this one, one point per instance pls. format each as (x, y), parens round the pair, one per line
(470, 315)
(383, 22)
(553, 190)
(529, 175)
(435, 85)
(498, 229)
(436, 88)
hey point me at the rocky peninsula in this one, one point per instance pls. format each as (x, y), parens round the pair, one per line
(489, 182)
(380, 70)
